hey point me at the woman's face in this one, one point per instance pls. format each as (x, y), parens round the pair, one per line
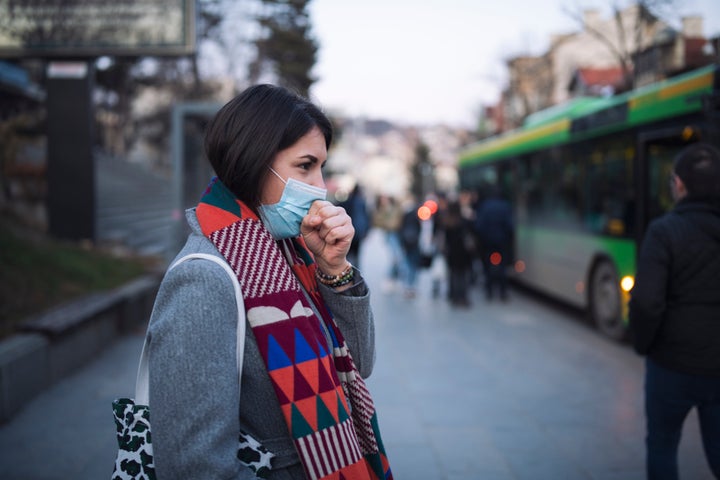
(302, 161)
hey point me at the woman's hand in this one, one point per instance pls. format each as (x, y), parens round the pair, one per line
(328, 231)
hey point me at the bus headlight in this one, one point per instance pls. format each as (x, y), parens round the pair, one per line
(627, 283)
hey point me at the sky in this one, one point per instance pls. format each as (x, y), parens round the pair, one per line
(438, 61)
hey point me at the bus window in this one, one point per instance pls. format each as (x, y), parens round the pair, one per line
(506, 181)
(569, 189)
(532, 188)
(552, 199)
(660, 163)
(608, 195)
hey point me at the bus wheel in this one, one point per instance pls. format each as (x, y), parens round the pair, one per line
(605, 301)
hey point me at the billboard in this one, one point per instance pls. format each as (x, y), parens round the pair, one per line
(92, 28)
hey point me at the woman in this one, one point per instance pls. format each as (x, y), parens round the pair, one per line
(266, 215)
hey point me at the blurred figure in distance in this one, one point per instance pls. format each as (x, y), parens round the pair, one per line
(410, 242)
(495, 228)
(356, 207)
(388, 217)
(457, 250)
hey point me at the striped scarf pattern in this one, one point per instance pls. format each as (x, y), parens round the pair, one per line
(327, 407)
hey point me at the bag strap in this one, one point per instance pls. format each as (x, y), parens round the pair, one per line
(142, 384)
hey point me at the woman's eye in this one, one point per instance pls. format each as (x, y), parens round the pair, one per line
(306, 165)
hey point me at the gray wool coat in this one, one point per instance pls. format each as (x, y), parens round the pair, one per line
(197, 404)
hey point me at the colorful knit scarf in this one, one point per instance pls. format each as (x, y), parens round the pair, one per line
(328, 409)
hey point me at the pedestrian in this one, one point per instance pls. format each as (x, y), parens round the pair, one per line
(457, 250)
(496, 230)
(675, 313)
(387, 217)
(356, 206)
(410, 242)
(438, 269)
(266, 216)
(468, 207)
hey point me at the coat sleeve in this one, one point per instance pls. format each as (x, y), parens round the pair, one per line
(648, 296)
(194, 384)
(354, 317)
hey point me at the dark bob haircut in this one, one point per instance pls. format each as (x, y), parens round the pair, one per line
(244, 137)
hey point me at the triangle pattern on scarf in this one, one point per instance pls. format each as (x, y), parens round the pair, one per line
(322, 350)
(277, 358)
(343, 411)
(303, 351)
(287, 412)
(331, 404)
(309, 370)
(308, 408)
(328, 363)
(376, 463)
(302, 387)
(325, 381)
(300, 426)
(325, 418)
(385, 462)
(218, 216)
(284, 383)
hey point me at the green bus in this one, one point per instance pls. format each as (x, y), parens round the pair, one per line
(585, 178)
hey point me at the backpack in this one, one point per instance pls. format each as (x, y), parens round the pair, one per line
(410, 229)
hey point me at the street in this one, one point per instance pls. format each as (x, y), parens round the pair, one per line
(506, 391)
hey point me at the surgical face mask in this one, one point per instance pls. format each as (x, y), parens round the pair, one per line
(283, 219)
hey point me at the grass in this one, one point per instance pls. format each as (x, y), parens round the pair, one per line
(37, 273)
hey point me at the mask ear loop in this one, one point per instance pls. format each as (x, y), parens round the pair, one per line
(278, 175)
(286, 251)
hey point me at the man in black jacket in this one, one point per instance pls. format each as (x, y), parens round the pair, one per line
(675, 313)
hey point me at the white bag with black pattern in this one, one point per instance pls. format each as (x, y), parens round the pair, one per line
(134, 459)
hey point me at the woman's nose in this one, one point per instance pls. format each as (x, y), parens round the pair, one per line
(318, 181)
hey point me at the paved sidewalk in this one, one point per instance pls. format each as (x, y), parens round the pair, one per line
(68, 432)
(515, 391)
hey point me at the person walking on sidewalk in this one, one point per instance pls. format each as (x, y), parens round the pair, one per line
(455, 231)
(356, 207)
(387, 217)
(409, 232)
(675, 313)
(310, 340)
(496, 229)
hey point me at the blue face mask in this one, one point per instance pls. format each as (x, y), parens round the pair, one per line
(283, 219)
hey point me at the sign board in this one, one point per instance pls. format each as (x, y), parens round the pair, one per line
(92, 28)
(67, 69)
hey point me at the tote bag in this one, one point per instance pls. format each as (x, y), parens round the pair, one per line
(134, 460)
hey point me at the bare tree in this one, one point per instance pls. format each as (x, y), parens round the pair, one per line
(633, 31)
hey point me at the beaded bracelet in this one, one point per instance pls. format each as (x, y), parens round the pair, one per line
(335, 281)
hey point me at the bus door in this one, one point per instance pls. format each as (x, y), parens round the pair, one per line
(656, 152)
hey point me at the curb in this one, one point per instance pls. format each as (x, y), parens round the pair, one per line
(56, 343)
